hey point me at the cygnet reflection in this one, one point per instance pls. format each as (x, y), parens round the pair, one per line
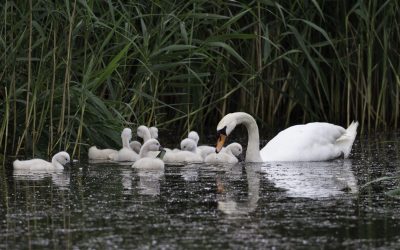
(149, 181)
(59, 177)
(126, 177)
(227, 200)
(312, 179)
(189, 172)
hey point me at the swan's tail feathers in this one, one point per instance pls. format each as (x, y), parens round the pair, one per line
(345, 142)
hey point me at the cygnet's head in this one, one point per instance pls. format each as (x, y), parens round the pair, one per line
(62, 157)
(126, 134)
(143, 131)
(152, 145)
(235, 148)
(188, 145)
(194, 136)
(153, 132)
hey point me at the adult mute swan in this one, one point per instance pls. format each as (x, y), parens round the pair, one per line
(308, 142)
(125, 153)
(227, 155)
(57, 162)
(146, 161)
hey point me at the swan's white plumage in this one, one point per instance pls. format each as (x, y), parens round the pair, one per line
(203, 150)
(194, 136)
(227, 155)
(106, 154)
(125, 153)
(182, 157)
(144, 133)
(58, 162)
(188, 145)
(146, 161)
(100, 154)
(308, 142)
(187, 155)
(153, 132)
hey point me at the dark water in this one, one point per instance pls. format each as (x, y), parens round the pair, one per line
(256, 206)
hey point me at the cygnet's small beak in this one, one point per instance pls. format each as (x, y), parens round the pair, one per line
(240, 157)
(69, 163)
(162, 153)
(220, 142)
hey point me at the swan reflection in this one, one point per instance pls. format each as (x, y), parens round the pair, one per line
(312, 179)
(149, 181)
(190, 172)
(227, 202)
(126, 178)
(59, 177)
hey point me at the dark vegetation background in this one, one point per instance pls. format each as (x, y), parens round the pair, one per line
(73, 73)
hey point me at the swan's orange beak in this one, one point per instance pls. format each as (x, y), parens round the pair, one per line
(220, 142)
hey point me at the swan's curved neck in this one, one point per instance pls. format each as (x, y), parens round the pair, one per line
(125, 142)
(146, 135)
(253, 143)
(144, 150)
(55, 163)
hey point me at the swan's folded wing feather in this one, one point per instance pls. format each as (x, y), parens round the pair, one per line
(308, 142)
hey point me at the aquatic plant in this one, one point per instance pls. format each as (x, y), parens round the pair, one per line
(76, 72)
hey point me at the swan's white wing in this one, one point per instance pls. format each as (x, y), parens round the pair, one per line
(308, 142)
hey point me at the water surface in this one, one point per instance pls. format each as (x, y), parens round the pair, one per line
(282, 205)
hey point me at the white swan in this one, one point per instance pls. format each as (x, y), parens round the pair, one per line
(308, 142)
(203, 150)
(144, 133)
(188, 145)
(146, 161)
(194, 136)
(227, 155)
(57, 162)
(100, 154)
(153, 132)
(106, 154)
(125, 153)
(184, 155)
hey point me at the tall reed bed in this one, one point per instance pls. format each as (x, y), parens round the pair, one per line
(75, 72)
